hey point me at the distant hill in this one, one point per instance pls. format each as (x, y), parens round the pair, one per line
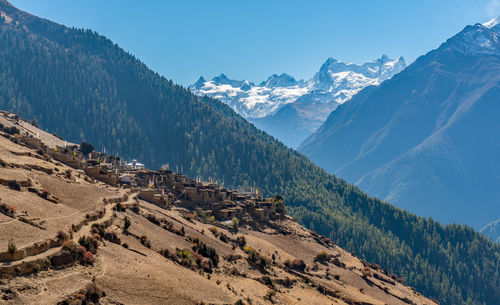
(82, 86)
(291, 110)
(427, 140)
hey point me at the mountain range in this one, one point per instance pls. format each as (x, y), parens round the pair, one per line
(291, 110)
(82, 86)
(427, 140)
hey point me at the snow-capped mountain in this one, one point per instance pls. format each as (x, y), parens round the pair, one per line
(249, 100)
(308, 103)
(343, 79)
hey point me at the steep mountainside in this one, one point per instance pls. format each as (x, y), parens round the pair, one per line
(137, 252)
(81, 85)
(291, 110)
(428, 139)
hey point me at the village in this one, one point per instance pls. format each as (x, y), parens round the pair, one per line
(164, 187)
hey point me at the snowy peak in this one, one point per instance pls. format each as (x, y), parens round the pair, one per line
(249, 100)
(370, 69)
(199, 83)
(283, 80)
(476, 40)
(335, 75)
(222, 79)
(493, 24)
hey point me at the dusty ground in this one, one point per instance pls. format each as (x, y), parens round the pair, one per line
(131, 272)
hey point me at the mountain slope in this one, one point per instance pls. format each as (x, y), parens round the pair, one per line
(291, 110)
(80, 84)
(426, 140)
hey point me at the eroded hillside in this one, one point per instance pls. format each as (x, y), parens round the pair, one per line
(66, 237)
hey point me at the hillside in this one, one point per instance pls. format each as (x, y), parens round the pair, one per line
(81, 86)
(165, 254)
(428, 139)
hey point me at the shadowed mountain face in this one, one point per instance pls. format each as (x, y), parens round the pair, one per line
(82, 86)
(427, 140)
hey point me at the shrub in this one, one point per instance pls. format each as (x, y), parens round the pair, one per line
(187, 258)
(296, 264)
(11, 247)
(11, 130)
(338, 263)
(322, 289)
(44, 194)
(366, 272)
(270, 295)
(165, 253)
(80, 296)
(14, 185)
(255, 258)
(126, 224)
(61, 235)
(98, 228)
(206, 264)
(236, 223)
(153, 219)
(118, 207)
(88, 258)
(145, 241)
(9, 211)
(223, 237)
(322, 257)
(89, 243)
(206, 251)
(214, 230)
(241, 241)
(266, 280)
(94, 293)
(135, 208)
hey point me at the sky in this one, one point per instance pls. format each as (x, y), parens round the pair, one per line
(186, 39)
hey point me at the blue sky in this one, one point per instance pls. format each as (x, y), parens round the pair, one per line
(254, 39)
